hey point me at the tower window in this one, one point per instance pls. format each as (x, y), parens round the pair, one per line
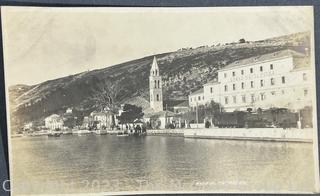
(211, 90)
(261, 83)
(283, 79)
(157, 97)
(251, 70)
(242, 72)
(271, 66)
(155, 84)
(242, 85)
(251, 84)
(225, 88)
(156, 72)
(233, 73)
(158, 83)
(261, 68)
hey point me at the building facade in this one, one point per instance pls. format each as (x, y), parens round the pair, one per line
(54, 122)
(102, 119)
(155, 86)
(197, 98)
(279, 79)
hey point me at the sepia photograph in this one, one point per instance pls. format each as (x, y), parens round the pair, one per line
(133, 100)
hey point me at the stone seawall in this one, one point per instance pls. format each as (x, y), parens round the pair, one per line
(265, 134)
(170, 132)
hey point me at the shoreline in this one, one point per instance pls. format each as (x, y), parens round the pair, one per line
(252, 134)
(249, 134)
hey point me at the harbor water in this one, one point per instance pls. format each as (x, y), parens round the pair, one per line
(108, 163)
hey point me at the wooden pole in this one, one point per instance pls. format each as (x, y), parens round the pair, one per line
(197, 114)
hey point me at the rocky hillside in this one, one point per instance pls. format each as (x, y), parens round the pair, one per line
(183, 71)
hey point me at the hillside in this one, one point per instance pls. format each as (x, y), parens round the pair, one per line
(183, 71)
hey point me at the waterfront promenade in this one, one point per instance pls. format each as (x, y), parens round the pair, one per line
(263, 134)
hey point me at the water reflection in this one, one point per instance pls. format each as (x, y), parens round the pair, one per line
(110, 163)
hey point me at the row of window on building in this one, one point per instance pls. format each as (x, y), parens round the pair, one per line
(199, 98)
(262, 83)
(262, 96)
(251, 71)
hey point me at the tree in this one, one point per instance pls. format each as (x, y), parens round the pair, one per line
(242, 40)
(212, 108)
(130, 113)
(106, 93)
(70, 122)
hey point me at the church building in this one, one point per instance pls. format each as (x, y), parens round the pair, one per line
(155, 116)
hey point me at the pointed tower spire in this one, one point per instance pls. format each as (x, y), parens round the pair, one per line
(154, 67)
(154, 62)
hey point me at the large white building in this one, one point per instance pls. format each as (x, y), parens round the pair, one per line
(53, 122)
(279, 79)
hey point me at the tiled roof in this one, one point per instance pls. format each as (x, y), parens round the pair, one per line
(159, 114)
(265, 57)
(183, 104)
(197, 92)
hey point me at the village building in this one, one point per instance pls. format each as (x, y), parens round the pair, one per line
(102, 120)
(54, 122)
(196, 98)
(279, 79)
(181, 107)
(28, 126)
(69, 111)
(87, 122)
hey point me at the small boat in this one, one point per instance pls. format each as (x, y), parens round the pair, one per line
(54, 134)
(123, 135)
(81, 132)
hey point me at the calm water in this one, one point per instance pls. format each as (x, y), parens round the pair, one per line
(110, 163)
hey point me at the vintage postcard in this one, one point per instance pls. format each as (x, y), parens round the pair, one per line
(160, 100)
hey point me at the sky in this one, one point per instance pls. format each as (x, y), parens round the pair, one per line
(47, 43)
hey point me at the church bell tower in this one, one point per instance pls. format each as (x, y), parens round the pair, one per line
(155, 85)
